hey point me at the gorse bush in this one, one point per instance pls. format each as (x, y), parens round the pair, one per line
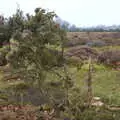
(28, 51)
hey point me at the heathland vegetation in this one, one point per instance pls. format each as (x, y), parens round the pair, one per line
(47, 73)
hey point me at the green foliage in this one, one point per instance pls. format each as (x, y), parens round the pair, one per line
(16, 21)
(29, 53)
(3, 52)
(4, 34)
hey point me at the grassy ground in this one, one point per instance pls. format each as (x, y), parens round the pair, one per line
(105, 83)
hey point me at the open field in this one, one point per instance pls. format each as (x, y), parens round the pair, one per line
(103, 75)
(80, 45)
(105, 80)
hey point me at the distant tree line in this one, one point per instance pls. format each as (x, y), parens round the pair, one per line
(74, 28)
(100, 28)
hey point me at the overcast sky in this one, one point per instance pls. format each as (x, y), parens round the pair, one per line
(78, 12)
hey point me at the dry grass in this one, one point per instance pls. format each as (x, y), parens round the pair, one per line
(78, 38)
(95, 35)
